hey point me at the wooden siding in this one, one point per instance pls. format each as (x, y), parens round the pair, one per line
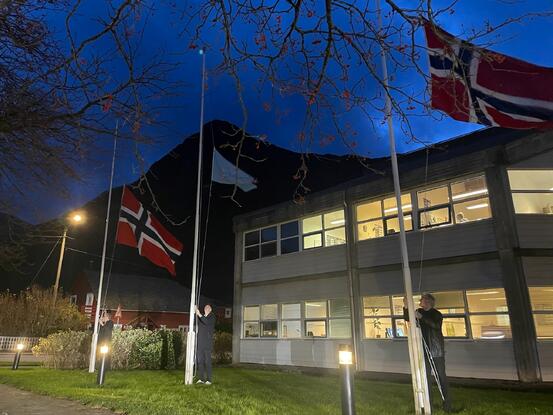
(311, 289)
(465, 359)
(545, 350)
(538, 270)
(535, 231)
(308, 353)
(464, 239)
(312, 261)
(457, 276)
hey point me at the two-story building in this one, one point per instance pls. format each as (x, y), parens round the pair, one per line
(479, 218)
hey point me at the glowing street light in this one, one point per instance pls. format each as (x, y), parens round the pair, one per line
(345, 358)
(75, 218)
(104, 350)
(19, 349)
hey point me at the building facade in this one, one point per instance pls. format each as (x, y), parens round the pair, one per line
(479, 218)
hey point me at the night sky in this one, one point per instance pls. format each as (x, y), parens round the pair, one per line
(531, 41)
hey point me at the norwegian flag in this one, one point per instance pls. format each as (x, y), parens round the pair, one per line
(138, 228)
(477, 85)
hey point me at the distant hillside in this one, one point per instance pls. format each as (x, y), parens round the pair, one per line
(173, 183)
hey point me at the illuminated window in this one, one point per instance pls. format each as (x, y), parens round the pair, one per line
(290, 315)
(380, 218)
(315, 328)
(377, 317)
(532, 191)
(339, 322)
(324, 230)
(488, 313)
(455, 203)
(251, 321)
(542, 307)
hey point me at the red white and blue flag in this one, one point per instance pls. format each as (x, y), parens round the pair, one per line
(138, 228)
(477, 85)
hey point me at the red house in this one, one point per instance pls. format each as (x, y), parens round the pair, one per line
(143, 301)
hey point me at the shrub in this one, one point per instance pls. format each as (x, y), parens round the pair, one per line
(222, 347)
(30, 313)
(64, 350)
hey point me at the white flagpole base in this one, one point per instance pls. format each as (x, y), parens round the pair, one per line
(190, 357)
(92, 361)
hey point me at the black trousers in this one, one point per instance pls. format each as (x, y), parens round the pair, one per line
(203, 363)
(439, 364)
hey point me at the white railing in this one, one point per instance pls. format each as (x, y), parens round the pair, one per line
(9, 343)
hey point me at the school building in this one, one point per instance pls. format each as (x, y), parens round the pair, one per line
(479, 218)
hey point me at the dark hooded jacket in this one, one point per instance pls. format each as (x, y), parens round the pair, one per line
(431, 328)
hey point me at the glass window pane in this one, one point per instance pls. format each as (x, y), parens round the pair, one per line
(401, 328)
(392, 225)
(312, 224)
(340, 328)
(252, 252)
(339, 307)
(472, 210)
(397, 303)
(454, 327)
(369, 230)
(531, 179)
(450, 302)
(312, 241)
(370, 210)
(251, 238)
(315, 328)
(433, 197)
(378, 328)
(544, 325)
(494, 326)
(335, 237)
(315, 309)
(289, 229)
(376, 306)
(251, 329)
(488, 300)
(268, 249)
(290, 311)
(541, 298)
(269, 234)
(469, 188)
(269, 329)
(289, 245)
(269, 312)
(291, 329)
(434, 217)
(390, 205)
(333, 219)
(251, 313)
(533, 203)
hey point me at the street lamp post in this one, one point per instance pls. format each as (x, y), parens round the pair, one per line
(102, 372)
(345, 358)
(76, 219)
(19, 349)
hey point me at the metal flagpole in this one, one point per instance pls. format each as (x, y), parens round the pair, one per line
(94, 344)
(191, 336)
(416, 357)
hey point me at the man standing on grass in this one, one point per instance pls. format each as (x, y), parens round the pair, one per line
(105, 334)
(206, 327)
(430, 323)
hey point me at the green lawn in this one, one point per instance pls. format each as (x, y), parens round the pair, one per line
(248, 391)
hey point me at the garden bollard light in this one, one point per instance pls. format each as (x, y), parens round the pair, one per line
(17, 357)
(102, 371)
(345, 358)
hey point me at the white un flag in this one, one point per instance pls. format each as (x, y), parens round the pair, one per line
(223, 171)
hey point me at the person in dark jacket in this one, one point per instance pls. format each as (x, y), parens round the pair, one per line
(105, 334)
(430, 323)
(206, 327)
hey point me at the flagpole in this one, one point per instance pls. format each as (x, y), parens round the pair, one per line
(94, 344)
(416, 358)
(191, 336)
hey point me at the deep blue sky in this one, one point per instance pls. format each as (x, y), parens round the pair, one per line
(531, 41)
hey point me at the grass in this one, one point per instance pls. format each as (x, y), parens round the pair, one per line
(248, 391)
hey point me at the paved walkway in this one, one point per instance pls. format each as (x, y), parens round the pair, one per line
(18, 402)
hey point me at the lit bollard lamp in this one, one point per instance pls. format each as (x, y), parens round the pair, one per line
(17, 357)
(345, 358)
(102, 371)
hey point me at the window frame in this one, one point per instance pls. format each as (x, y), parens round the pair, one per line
(278, 241)
(323, 229)
(528, 191)
(486, 313)
(384, 218)
(541, 312)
